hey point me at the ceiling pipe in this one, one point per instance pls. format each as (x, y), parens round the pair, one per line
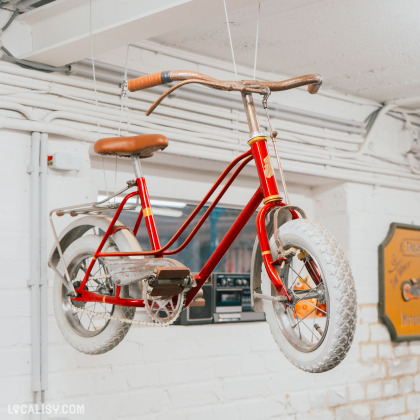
(226, 100)
(301, 156)
(179, 135)
(182, 136)
(156, 120)
(368, 137)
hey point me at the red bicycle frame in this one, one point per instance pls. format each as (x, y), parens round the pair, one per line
(267, 192)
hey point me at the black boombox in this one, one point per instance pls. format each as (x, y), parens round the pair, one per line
(228, 299)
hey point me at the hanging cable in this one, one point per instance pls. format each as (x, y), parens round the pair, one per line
(93, 66)
(123, 91)
(32, 65)
(273, 135)
(27, 64)
(94, 86)
(230, 40)
(257, 36)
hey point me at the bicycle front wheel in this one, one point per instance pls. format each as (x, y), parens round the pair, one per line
(315, 330)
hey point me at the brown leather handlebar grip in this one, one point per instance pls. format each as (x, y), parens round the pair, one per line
(149, 81)
(312, 89)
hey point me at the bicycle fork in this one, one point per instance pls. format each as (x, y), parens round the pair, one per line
(272, 198)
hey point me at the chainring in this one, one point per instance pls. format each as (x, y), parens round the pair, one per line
(162, 309)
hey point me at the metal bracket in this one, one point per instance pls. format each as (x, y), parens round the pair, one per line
(279, 245)
(266, 93)
(124, 89)
(67, 284)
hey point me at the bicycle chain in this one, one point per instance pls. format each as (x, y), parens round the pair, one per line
(125, 320)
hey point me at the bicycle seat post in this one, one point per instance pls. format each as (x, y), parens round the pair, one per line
(138, 172)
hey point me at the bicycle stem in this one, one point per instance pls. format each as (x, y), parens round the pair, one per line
(251, 115)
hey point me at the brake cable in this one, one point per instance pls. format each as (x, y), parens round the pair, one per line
(273, 135)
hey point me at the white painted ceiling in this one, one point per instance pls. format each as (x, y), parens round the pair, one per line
(369, 48)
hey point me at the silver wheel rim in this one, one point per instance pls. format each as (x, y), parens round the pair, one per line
(83, 323)
(305, 323)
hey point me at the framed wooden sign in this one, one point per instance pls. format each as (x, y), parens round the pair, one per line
(399, 282)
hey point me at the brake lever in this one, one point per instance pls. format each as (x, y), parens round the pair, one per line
(169, 91)
(185, 82)
(228, 86)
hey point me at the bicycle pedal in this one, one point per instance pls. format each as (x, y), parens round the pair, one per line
(172, 272)
(169, 281)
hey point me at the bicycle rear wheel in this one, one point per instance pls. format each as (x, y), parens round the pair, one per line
(316, 329)
(85, 324)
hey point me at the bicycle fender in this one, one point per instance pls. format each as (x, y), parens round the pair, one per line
(124, 238)
(284, 216)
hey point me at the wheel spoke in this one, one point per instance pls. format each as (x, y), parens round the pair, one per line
(304, 324)
(315, 306)
(298, 323)
(297, 274)
(312, 334)
(91, 320)
(93, 324)
(301, 319)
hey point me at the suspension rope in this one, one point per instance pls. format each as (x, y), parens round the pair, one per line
(95, 90)
(123, 97)
(123, 92)
(230, 40)
(257, 36)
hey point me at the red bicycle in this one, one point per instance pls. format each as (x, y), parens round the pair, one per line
(300, 276)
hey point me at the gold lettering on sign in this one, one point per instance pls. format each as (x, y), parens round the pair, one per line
(410, 249)
(268, 169)
(409, 320)
(399, 266)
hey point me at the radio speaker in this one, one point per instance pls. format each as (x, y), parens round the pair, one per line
(196, 315)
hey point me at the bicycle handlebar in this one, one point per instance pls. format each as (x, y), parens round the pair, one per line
(313, 81)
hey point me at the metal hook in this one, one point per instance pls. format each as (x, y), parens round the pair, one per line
(124, 89)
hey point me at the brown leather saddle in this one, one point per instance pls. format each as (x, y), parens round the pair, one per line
(143, 146)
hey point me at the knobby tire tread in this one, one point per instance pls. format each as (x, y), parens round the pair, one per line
(114, 332)
(339, 270)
